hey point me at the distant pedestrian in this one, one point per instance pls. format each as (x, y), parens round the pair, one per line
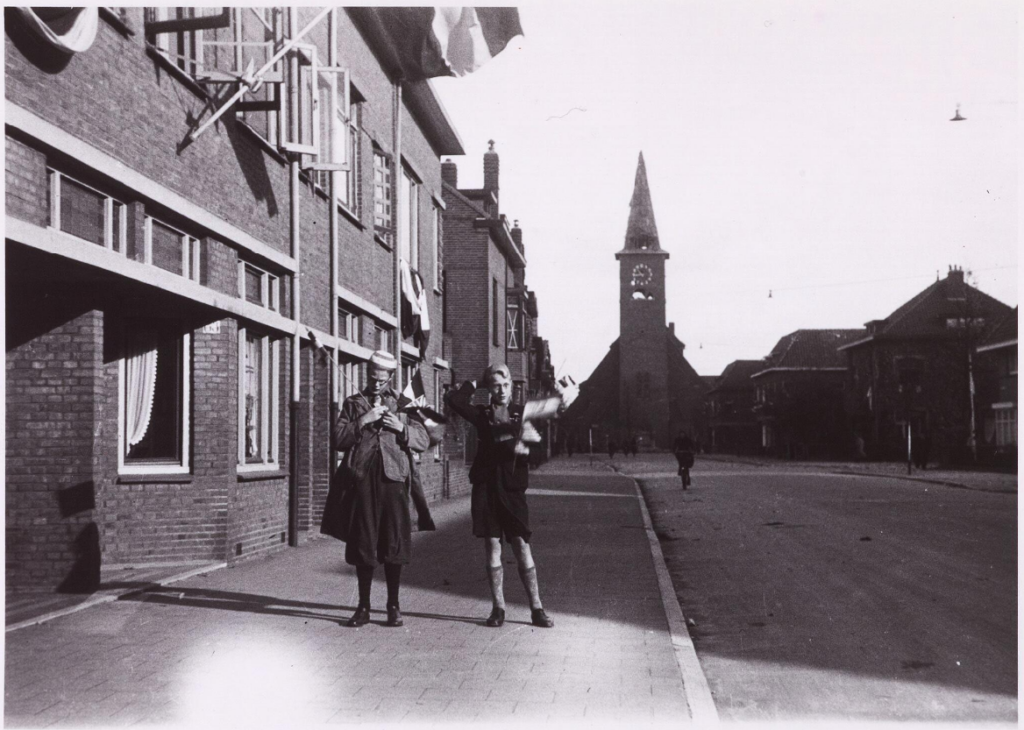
(569, 446)
(368, 501)
(683, 449)
(632, 445)
(612, 447)
(500, 477)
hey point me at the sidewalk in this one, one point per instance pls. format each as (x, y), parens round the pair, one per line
(260, 644)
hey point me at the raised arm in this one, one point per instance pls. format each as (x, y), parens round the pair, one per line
(459, 400)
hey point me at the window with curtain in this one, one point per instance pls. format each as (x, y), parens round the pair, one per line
(155, 387)
(258, 400)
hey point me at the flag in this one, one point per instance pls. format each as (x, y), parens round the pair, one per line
(413, 400)
(69, 30)
(449, 41)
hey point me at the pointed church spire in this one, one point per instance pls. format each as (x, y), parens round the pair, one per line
(641, 231)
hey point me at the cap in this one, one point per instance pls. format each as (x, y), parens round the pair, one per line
(384, 360)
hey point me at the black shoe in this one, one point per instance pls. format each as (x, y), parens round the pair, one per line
(360, 618)
(394, 616)
(497, 618)
(539, 618)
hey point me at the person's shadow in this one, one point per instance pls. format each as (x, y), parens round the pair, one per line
(267, 605)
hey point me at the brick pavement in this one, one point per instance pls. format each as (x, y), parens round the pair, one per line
(260, 644)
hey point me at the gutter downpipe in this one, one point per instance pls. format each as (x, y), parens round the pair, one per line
(332, 60)
(294, 215)
(395, 182)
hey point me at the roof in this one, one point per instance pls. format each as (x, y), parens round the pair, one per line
(599, 394)
(641, 231)
(809, 350)
(1002, 334)
(926, 315)
(737, 375)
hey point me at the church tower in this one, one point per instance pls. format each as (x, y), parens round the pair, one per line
(643, 366)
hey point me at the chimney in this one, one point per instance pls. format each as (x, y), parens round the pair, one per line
(517, 236)
(491, 168)
(450, 173)
(672, 329)
(955, 274)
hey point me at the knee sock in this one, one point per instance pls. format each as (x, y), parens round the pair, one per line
(393, 576)
(497, 579)
(364, 574)
(529, 577)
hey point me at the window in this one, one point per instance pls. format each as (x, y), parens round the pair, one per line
(960, 323)
(438, 388)
(381, 338)
(349, 379)
(438, 249)
(154, 385)
(170, 249)
(349, 326)
(643, 384)
(340, 147)
(1006, 424)
(258, 286)
(258, 393)
(86, 213)
(514, 327)
(381, 195)
(494, 312)
(408, 220)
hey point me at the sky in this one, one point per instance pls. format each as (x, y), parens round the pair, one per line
(800, 148)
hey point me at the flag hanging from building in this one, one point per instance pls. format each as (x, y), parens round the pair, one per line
(449, 41)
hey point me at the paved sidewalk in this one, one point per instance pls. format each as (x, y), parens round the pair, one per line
(260, 644)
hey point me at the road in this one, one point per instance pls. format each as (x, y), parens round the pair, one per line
(819, 596)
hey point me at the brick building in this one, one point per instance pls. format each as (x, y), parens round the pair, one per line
(491, 314)
(996, 403)
(644, 386)
(915, 367)
(733, 428)
(799, 396)
(165, 404)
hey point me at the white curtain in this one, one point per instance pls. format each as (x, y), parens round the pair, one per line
(139, 389)
(253, 377)
(70, 30)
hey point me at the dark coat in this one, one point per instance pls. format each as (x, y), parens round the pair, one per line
(500, 476)
(370, 453)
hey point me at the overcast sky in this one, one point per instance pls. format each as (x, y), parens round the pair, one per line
(799, 147)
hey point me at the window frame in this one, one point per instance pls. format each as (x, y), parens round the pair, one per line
(495, 342)
(191, 252)
(270, 285)
(118, 244)
(157, 468)
(438, 231)
(383, 220)
(515, 330)
(438, 407)
(270, 352)
(409, 217)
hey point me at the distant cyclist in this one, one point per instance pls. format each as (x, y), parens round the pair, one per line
(683, 449)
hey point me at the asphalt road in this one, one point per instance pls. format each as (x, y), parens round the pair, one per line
(816, 596)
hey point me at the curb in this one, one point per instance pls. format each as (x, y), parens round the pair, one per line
(110, 597)
(695, 683)
(955, 485)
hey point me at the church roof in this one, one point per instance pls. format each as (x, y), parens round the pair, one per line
(736, 375)
(641, 231)
(598, 400)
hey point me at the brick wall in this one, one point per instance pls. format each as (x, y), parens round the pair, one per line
(54, 359)
(25, 175)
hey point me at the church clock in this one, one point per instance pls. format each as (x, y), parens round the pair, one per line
(642, 275)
